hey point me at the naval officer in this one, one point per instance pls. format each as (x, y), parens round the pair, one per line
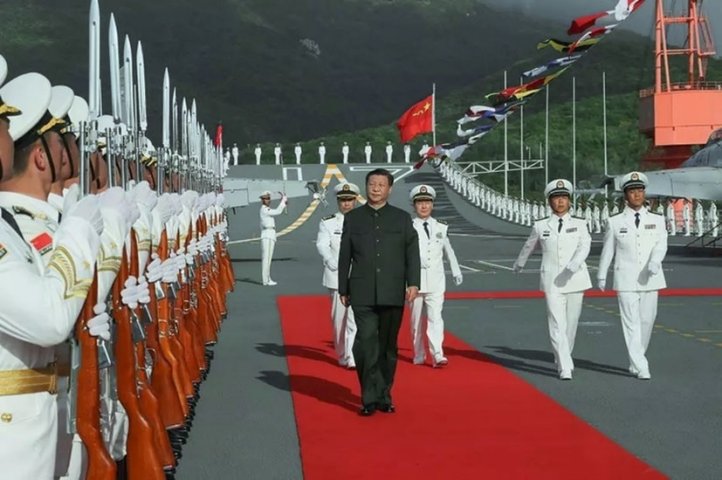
(433, 243)
(268, 234)
(565, 243)
(637, 240)
(328, 242)
(378, 271)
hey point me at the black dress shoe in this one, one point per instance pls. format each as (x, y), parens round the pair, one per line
(387, 407)
(367, 410)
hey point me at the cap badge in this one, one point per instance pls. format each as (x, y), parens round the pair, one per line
(635, 176)
(560, 184)
(346, 188)
(423, 190)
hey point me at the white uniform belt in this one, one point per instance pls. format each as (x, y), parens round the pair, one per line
(269, 228)
(20, 382)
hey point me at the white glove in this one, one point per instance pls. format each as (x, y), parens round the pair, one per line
(602, 283)
(653, 267)
(170, 272)
(154, 269)
(517, 268)
(332, 265)
(70, 197)
(133, 211)
(99, 325)
(115, 199)
(163, 209)
(87, 209)
(144, 195)
(458, 279)
(129, 295)
(143, 291)
(573, 266)
(190, 199)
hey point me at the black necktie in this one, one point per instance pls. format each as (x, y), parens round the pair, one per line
(636, 219)
(426, 229)
(7, 216)
(559, 229)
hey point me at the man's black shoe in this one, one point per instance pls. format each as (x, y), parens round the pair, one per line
(387, 407)
(367, 410)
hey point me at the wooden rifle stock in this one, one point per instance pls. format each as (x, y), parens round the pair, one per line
(149, 404)
(142, 459)
(101, 465)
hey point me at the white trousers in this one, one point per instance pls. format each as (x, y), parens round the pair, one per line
(563, 311)
(267, 246)
(344, 329)
(638, 311)
(426, 316)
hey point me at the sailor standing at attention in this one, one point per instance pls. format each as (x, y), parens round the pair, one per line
(637, 240)
(433, 242)
(328, 243)
(565, 243)
(268, 234)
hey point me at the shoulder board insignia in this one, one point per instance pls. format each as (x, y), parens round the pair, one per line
(615, 214)
(542, 219)
(43, 243)
(579, 218)
(443, 222)
(3, 251)
(657, 213)
(329, 217)
(23, 211)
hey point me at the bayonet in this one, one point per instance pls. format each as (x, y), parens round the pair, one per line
(114, 52)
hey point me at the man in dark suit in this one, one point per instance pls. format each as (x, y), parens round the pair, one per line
(378, 269)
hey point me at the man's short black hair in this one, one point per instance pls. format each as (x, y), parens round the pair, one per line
(382, 172)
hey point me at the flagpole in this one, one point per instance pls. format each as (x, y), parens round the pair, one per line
(521, 145)
(546, 139)
(506, 152)
(433, 113)
(604, 114)
(574, 138)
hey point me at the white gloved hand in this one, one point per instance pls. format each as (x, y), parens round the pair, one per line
(163, 209)
(653, 267)
(458, 279)
(193, 247)
(133, 211)
(99, 325)
(573, 266)
(129, 294)
(170, 272)
(144, 195)
(88, 210)
(70, 197)
(114, 199)
(190, 199)
(602, 283)
(154, 269)
(143, 291)
(517, 268)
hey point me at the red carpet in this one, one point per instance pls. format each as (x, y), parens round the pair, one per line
(471, 420)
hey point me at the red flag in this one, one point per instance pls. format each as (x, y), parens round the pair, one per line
(218, 142)
(582, 23)
(417, 120)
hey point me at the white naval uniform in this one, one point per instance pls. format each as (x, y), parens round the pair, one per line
(328, 243)
(564, 278)
(268, 237)
(28, 335)
(430, 301)
(633, 249)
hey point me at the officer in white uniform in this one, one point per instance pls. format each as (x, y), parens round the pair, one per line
(389, 152)
(344, 152)
(407, 153)
(28, 333)
(257, 153)
(328, 243)
(367, 152)
(322, 153)
(671, 218)
(686, 217)
(712, 219)
(565, 243)
(227, 156)
(298, 151)
(277, 153)
(637, 239)
(605, 214)
(433, 243)
(234, 152)
(699, 218)
(268, 234)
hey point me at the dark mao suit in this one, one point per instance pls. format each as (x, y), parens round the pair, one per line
(379, 259)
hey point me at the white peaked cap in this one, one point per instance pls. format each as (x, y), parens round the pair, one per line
(30, 93)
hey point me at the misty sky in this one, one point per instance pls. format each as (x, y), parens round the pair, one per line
(641, 22)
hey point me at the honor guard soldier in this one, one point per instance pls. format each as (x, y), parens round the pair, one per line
(344, 152)
(322, 153)
(278, 153)
(686, 213)
(699, 218)
(671, 218)
(407, 153)
(328, 243)
(367, 152)
(637, 240)
(38, 305)
(389, 152)
(257, 153)
(234, 152)
(433, 243)
(268, 234)
(297, 150)
(712, 219)
(565, 243)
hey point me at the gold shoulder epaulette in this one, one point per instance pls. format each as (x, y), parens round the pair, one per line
(330, 217)
(443, 222)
